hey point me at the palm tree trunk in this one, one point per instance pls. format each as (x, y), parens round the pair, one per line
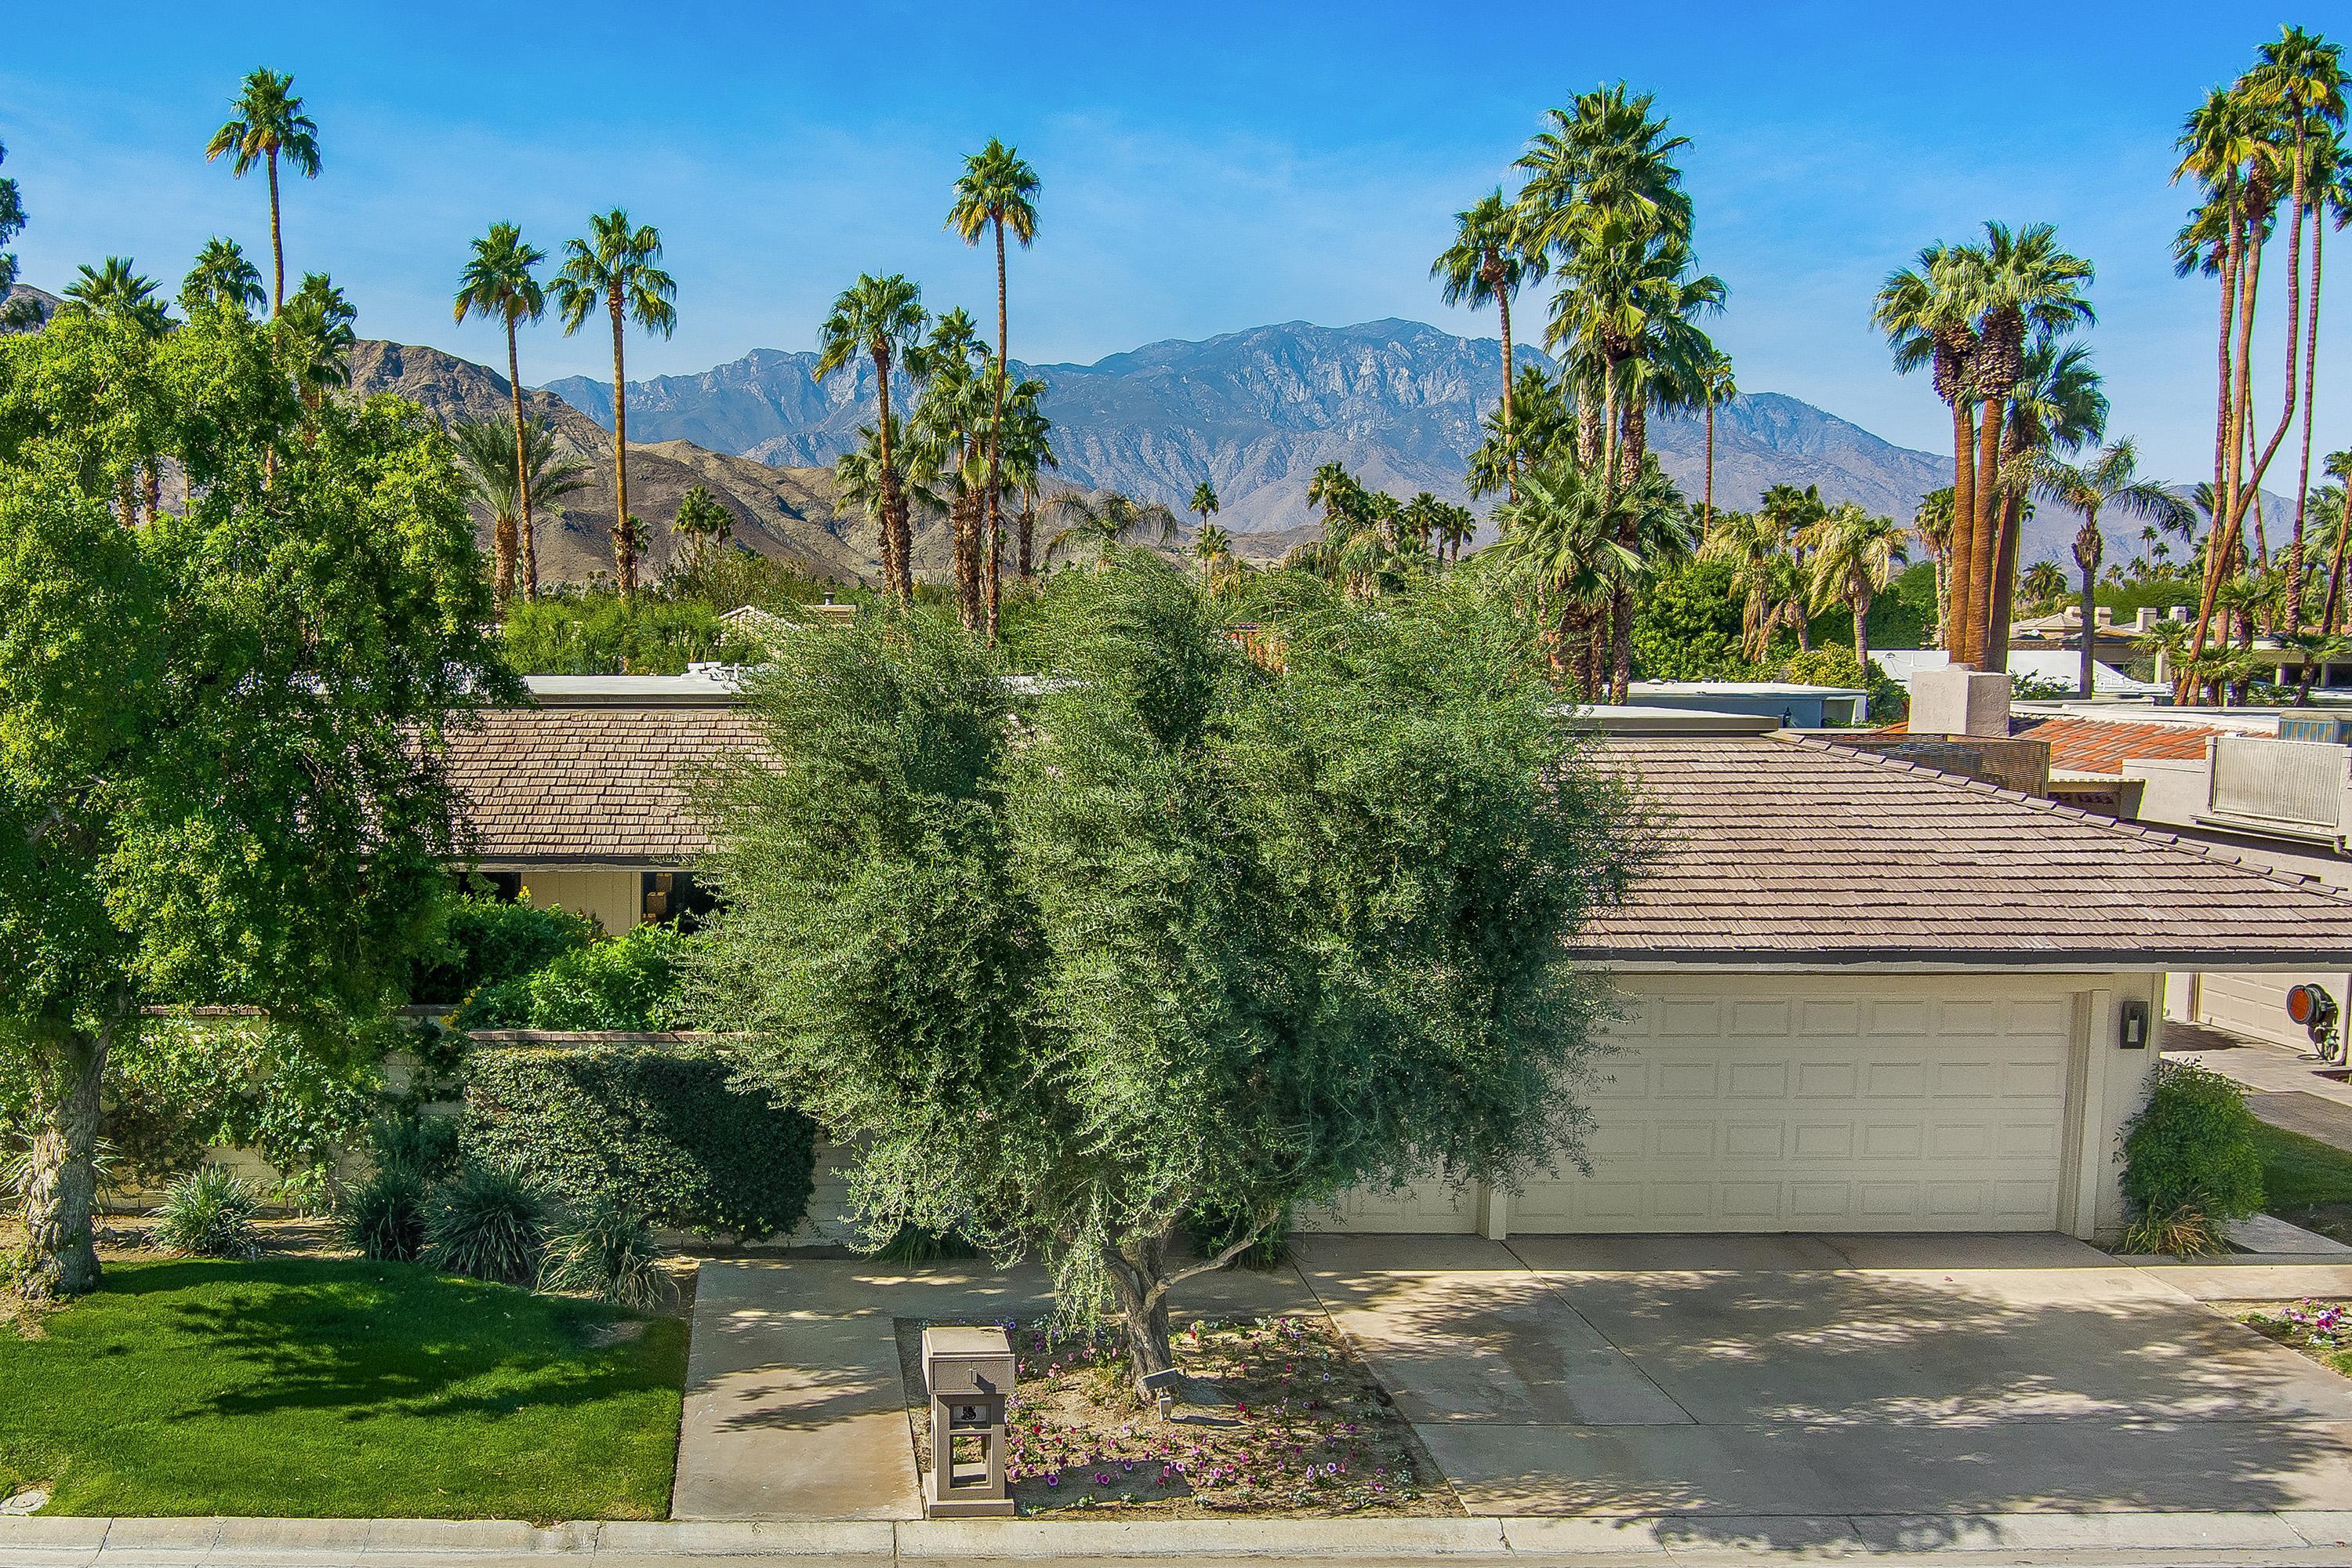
(2004, 582)
(624, 544)
(1026, 536)
(1984, 542)
(277, 244)
(530, 553)
(895, 574)
(2084, 683)
(996, 440)
(2310, 392)
(1707, 507)
(1861, 607)
(1961, 596)
(1510, 442)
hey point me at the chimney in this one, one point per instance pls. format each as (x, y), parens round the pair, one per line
(2146, 617)
(1958, 701)
(2106, 615)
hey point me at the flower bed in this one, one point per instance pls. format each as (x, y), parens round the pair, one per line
(1307, 1431)
(2321, 1329)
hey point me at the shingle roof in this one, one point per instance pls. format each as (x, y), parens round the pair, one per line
(2079, 745)
(1792, 851)
(589, 784)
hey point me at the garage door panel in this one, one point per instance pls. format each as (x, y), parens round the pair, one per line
(1938, 1113)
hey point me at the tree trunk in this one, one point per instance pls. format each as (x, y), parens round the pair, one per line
(1960, 598)
(276, 245)
(154, 482)
(530, 553)
(2310, 394)
(1510, 436)
(1861, 607)
(624, 543)
(1707, 507)
(894, 569)
(2336, 566)
(1139, 1285)
(2004, 583)
(996, 442)
(2083, 681)
(61, 1197)
(1943, 596)
(1984, 541)
(502, 562)
(1025, 537)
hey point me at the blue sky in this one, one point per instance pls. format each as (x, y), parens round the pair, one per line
(1207, 167)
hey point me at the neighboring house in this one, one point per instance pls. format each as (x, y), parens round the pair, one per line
(2048, 668)
(1794, 705)
(1858, 995)
(581, 800)
(1863, 995)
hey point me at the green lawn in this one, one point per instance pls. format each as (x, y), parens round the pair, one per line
(2307, 1182)
(339, 1387)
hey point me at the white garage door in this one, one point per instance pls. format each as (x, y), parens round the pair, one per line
(1795, 1112)
(2254, 1005)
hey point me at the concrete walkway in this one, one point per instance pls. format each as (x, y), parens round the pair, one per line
(2283, 1087)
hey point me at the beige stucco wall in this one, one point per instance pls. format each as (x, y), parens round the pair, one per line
(614, 899)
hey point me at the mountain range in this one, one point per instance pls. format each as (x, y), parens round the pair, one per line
(1255, 412)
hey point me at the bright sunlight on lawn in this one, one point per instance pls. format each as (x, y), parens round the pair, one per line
(2307, 1183)
(339, 1388)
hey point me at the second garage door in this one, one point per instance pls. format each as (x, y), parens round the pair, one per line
(1902, 1111)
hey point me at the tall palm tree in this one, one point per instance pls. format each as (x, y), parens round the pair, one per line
(267, 125)
(1932, 523)
(1560, 538)
(511, 490)
(1453, 530)
(954, 418)
(2043, 582)
(1029, 456)
(1854, 556)
(1719, 386)
(2110, 481)
(498, 282)
(1752, 543)
(1106, 523)
(1204, 503)
(882, 318)
(997, 193)
(222, 279)
(2338, 465)
(615, 265)
(1487, 264)
(703, 523)
(2058, 405)
(1928, 312)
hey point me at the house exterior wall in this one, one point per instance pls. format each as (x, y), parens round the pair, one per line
(612, 897)
(2055, 1118)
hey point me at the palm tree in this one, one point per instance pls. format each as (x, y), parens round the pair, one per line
(12, 224)
(511, 490)
(222, 279)
(498, 282)
(1487, 263)
(2338, 465)
(2043, 581)
(1453, 530)
(703, 523)
(1560, 538)
(1716, 381)
(318, 320)
(1854, 555)
(1928, 313)
(954, 418)
(615, 265)
(1932, 522)
(2110, 481)
(1214, 548)
(1204, 503)
(116, 292)
(1028, 456)
(1106, 523)
(2059, 404)
(858, 478)
(1752, 543)
(997, 192)
(883, 318)
(267, 125)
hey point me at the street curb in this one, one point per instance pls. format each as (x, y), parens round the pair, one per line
(2251, 1537)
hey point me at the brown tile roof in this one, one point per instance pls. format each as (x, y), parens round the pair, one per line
(2079, 745)
(589, 784)
(1802, 851)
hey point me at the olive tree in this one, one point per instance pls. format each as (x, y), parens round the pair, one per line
(1187, 934)
(219, 730)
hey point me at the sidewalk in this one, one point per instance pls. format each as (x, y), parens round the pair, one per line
(2280, 1539)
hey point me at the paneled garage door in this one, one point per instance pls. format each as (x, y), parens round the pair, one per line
(1895, 1112)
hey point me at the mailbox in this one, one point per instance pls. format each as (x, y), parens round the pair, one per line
(969, 1372)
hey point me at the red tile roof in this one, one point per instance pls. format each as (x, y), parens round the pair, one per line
(2080, 745)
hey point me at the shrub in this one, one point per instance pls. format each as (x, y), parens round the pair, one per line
(606, 1250)
(662, 1131)
(594, 633)
(383, 1216)
(630, 982)
(2192, 1161)
(490, 1224)
(423, 1146)
(1835, 666)
(483, 941)
(210, 1214)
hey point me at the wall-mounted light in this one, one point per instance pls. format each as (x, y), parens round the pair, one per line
(2131, 1032)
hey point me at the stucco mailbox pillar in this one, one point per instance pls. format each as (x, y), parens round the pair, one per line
(969, 1372)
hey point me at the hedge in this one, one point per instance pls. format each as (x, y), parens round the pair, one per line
(626, 982)
(655, 1128)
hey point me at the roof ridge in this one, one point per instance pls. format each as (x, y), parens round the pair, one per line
(2050, 807)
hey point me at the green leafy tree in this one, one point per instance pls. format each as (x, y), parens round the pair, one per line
(219, 733)
(265, 126)
(222, 279)
(996, 194)
(882, 320)
(498, 282)
(1193, 939)
(13, 313)
(615, 266)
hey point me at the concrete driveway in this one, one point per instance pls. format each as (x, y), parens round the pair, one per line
(1742, 1380)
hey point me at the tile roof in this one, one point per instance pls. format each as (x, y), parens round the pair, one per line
(589, 784)
(1783, 850)
(2081, 745)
